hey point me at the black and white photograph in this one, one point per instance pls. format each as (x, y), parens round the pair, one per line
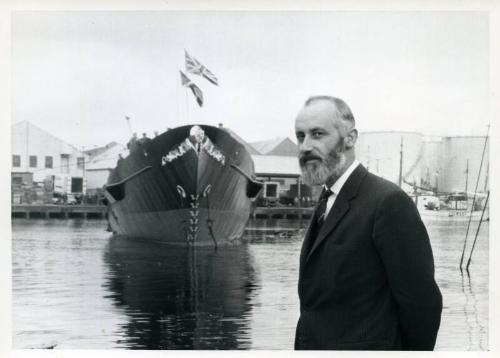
(283, 179)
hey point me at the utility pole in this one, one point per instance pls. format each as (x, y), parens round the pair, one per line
(83, 162)
(299, 194)
(436, 175)
(400, 181)
(466, 181)
(83, 171)
(27, 147)
(368, 164)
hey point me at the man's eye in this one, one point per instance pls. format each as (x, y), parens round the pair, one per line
(300, 137)
(317, 134)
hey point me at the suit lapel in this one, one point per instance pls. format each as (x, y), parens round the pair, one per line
(306, 245)
(339, 209)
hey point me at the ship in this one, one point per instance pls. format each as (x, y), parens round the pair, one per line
(193, 184)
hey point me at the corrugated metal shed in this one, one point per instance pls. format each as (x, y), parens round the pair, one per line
(274, 165)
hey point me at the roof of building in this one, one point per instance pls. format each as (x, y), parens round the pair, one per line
(247, 146)
(265, 146)
(96, 151)
(107, 158)
(276, 165)
(28, 126)
(278, 146)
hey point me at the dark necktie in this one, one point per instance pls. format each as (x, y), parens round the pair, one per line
(319, 216)
(323, 199)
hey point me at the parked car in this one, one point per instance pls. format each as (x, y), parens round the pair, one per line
(71, 199)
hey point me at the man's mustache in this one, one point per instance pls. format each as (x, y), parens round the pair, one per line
(303, 158)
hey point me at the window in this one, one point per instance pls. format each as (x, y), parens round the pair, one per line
(271, 190)
(48, 162)
(17, 181)
(16, 160)
(33, 161)
(65, 163)
(79, 162)
(76, 185)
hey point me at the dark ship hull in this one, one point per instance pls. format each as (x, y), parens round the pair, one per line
(191, 184)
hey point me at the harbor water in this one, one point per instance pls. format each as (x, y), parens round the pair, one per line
(75, 286)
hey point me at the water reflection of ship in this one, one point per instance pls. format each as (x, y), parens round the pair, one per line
(183, 297)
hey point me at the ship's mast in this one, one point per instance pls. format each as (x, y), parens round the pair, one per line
(474, 199)
(487, 176)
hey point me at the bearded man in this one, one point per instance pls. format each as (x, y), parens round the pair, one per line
(366, 278)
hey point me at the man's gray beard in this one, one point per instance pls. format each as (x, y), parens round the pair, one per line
(318, 173)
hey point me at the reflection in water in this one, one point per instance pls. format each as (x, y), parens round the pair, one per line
(466, 309)
(476, 330)
(464, 321)
(181, 297)
(73, 286)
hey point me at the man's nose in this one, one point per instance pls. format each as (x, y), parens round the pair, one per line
(306, 145)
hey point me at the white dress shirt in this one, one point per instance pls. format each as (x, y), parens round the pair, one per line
(335, 188)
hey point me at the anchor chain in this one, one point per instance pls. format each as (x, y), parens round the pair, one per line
(192, 234)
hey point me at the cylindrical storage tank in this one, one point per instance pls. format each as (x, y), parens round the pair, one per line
(380, 153)
(430, 163)
(453, 173)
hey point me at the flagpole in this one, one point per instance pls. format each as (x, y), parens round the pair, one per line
(177, 118)
(187, 106)
(186, 118)
(127, 118)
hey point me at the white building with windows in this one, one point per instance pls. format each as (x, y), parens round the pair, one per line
(277, 166)
(38, 155)
(277, 172)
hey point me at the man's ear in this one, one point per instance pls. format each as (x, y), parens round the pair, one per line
(350, 139)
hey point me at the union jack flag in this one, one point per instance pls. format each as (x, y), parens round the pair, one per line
(194, 66)
(186, 82)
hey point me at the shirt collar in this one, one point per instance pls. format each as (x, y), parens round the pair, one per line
(335, 188)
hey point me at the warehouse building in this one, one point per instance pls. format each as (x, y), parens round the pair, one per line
(39, 158)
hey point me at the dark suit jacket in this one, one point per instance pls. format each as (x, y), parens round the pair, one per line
(367, 282)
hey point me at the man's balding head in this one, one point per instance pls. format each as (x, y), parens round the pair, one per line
(342, 109)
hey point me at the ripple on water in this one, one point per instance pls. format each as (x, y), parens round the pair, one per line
(74, 286)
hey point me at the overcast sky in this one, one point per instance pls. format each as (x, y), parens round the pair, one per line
(78, 74)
